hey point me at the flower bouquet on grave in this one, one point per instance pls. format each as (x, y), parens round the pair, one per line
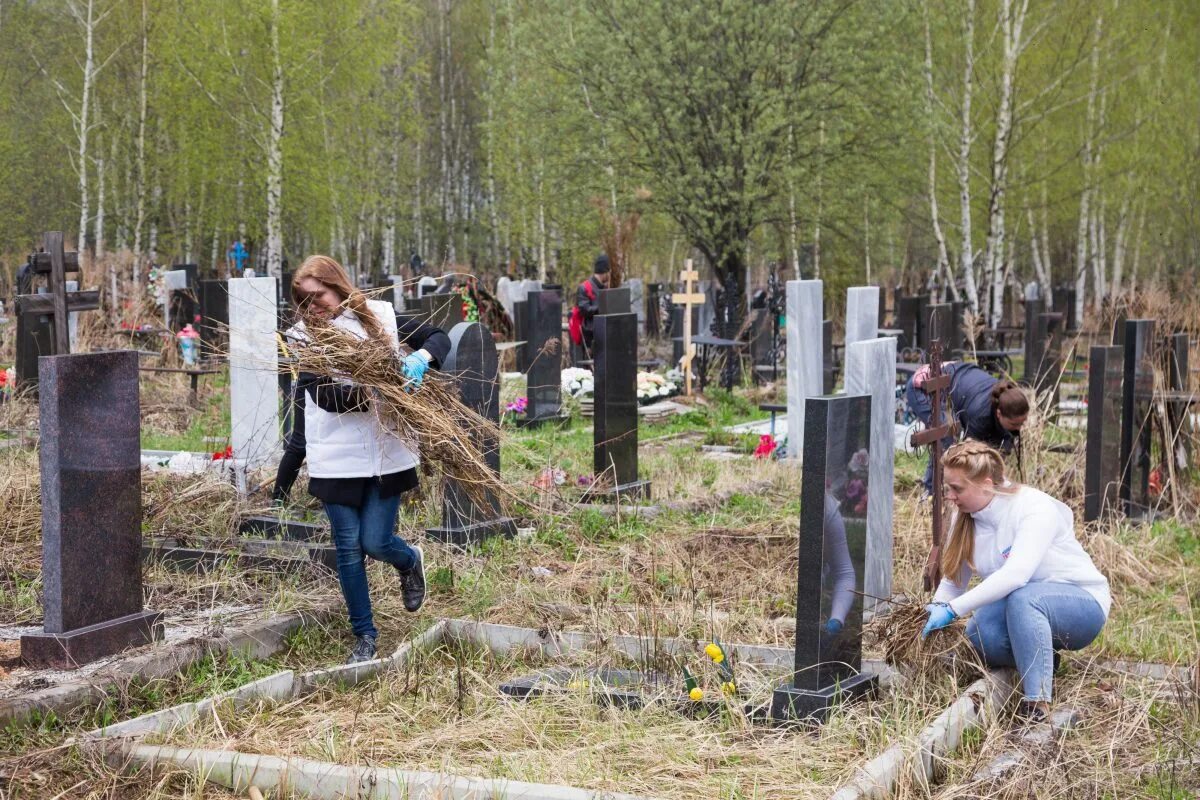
(577, 382)
(652, 387)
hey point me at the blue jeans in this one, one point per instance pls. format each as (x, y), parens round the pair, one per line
(1024, 629)
(369, 530)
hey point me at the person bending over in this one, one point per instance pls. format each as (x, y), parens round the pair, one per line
(357, 468)
(1039, 593)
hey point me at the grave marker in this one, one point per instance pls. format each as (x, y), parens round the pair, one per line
(910, 318)
(862, 313)
(688, 299)
(834, 506)
(476, 368)
(937, 386)
(1136, 408)
(828, 368)
(1102, 464)
(544, 355)
(521, 332)
(214, 312)
(615, 301)
(1178, 375)
(805, 363)
(869, 368)
(253, 373)
(91, 511)
(615, 420)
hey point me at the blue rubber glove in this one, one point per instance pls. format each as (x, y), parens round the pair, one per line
(833, 626)
(940, 615)
(413, 369)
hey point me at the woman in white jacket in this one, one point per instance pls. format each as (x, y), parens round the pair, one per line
(1040, 591)
(357, 468)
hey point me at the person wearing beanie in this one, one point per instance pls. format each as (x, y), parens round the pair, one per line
(587, 302)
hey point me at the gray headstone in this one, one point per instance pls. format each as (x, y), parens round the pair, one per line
(834, 507)
(1102, 460)
(1136, 408)
(544, 356)
(91, 511)
(1035, 343)
(870, 367)
(862, 313)
(637, 299)
(615, 301)
(1178, 375)
(910, 318)
(476, 368)
(253, 372)
(805, 339)
(615, 428)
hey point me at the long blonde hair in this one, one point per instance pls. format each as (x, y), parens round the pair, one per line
(978, 461)
(330, 274)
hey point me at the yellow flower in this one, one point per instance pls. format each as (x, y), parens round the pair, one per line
(714, 652)
(728, 687)
(696, 694)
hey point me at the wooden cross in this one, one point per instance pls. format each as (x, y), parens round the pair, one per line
(936, 386)
(57, 303)
(688, 298)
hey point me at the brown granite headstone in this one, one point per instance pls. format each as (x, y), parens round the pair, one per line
(91, 511)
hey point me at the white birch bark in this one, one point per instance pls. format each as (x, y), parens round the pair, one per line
(943, 258)
(89, 22)
(493, 211)
(1118, 261)
(820, 202)
(100, 185)
(963, 166)
(139, 219)
(275, 154)
(1081, 242)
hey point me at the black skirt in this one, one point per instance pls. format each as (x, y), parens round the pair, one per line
(352, 491)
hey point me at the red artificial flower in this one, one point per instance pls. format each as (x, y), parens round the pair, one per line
(766, 445)
(223, 455)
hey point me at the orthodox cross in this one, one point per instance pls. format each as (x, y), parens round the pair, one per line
(936, 386)
(687, 298)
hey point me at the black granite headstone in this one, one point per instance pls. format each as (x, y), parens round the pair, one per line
(615, 428)
(35, 338)
(910, 312)
(544, 356)
(832, 553)
(653, 325)
(939, 318)
(615, 301)
(214, 311)
(761, 335)
(1136, 407)
(1102, 463)
(521, 332)
(476, 367)
(1047, 336)
(1064, 303)
(828, 369)
(445, 310)
(91, 511)
(1035, 344)
(1178, 376)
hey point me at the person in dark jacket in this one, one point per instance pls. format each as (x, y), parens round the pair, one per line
(587, 298)
(357, 467)
(985, 408)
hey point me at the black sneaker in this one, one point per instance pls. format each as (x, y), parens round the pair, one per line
(412, 584)
(364, 650)
(1031, 713)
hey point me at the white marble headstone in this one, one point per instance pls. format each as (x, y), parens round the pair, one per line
(253, 371)
(397, 282)
(504, 294)
(870, 370)
(804, 356)
(426, 285)
(862, 313)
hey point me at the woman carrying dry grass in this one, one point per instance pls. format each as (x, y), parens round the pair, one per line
(357, 467)
(1040, 590)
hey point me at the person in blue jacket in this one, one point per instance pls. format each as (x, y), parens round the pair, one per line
(986, 408)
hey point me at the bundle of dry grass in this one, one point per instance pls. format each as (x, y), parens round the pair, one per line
(444, 431)
(898, 635)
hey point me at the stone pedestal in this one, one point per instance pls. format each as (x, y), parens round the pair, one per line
(805, 357)
(91, 511)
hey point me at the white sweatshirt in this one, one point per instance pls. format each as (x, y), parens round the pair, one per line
(1020, 538)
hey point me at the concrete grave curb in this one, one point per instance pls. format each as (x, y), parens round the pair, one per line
(325, 781)
(879, 777)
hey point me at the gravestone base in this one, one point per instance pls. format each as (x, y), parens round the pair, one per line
(533, 422)
(84, 645)
(475, 533)
(280, 528)
(789, 704)
(603, 493)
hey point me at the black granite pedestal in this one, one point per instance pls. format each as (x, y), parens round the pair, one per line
(91, 511)
(1102, 462)
(543, 347)
(1136, 412)
(615, 428)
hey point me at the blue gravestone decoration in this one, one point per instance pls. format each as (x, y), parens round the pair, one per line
(1136, 408)
(476, 368)
(91, 511)
(833, 542)
(543, 312)
(1102, 462)
(615, 410)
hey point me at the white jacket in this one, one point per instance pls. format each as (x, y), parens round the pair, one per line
(353, 444)
(1021, 538)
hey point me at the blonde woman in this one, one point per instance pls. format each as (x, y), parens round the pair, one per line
(357, 468)
(1040, 591)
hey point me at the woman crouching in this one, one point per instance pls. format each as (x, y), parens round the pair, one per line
(1040, 591)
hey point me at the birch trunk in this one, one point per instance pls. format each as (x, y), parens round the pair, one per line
(275, 154)
(866, 235)
(493, 211)
(1118, 260)
(1081, 243)
(820, 203)
(1137, 249)
(966, 257)
(216, 249)
(100, 170)
(1040, 267)
(139, 219)
(89, 74)
(943, 257)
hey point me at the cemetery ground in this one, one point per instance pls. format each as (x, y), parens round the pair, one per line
(714, 557)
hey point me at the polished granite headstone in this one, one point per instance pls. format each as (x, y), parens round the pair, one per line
(521, 333)
(476, 369)
(615, 420)
(805, 363)
(91, 511)
(1035, 340)
(870, 365)
(762, 336)
(214, 311)
(544, 353)
(958, 334)
(1102, 462)
(910, 319)
(1048, 335)
(35, 338)
(862, 313)
(834, 506)
(637, 300)
(1136, 410)
(1064, 303)
(828, 368)
(616, 301)
(940, 320)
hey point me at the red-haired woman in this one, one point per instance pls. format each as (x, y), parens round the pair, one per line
(357, 468)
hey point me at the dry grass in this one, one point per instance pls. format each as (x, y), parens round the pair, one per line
(898, 635)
